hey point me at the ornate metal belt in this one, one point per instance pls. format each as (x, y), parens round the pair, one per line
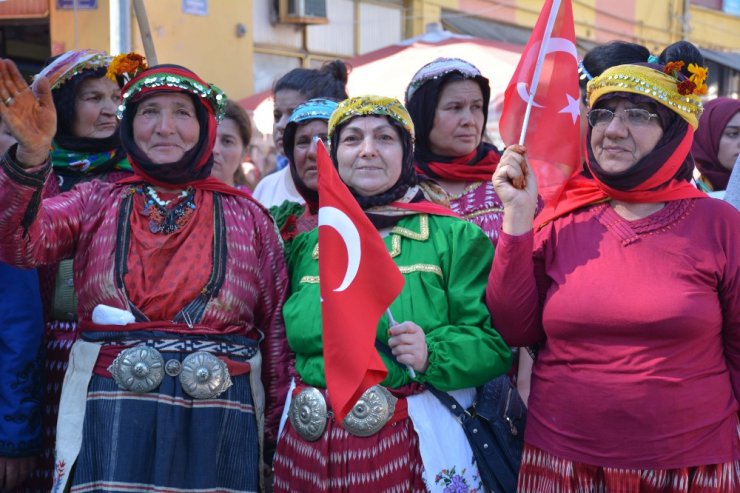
(141, 369)
(308, 412)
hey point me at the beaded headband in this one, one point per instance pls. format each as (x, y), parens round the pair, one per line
(313, 109)
(583, 72)
(646, 81)
(161, 78)
(371, 106)
(71, 63)
(439, 68)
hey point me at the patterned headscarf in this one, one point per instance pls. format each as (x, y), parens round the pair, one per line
(422, 97)
(209, 102)
(65, 73)
(398, 116)
(313, 109)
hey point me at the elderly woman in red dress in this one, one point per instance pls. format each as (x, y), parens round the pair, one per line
(180, 281)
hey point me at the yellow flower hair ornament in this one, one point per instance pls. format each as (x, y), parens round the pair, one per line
(698, 77)
(695, 84)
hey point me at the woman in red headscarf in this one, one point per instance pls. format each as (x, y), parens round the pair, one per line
(179, 308)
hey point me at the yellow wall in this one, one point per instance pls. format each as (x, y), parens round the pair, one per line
(92, 28)
(714, 30)
(207, 45)
(655, 24)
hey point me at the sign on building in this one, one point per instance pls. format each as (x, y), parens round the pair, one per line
(195, 7)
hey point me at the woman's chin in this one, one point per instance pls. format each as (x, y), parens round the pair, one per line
(168, 157)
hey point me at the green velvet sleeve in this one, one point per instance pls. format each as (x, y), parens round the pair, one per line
(445, 263)
(464, 349)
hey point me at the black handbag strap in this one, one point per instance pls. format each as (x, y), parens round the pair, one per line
(504, 484)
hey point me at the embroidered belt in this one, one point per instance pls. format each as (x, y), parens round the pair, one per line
(190, 346)
(142, 368)
(308, 412)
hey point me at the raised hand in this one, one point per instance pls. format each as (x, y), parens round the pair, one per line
(29, 114)
(516, 186)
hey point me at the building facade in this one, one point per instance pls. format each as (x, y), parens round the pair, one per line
(243, 45)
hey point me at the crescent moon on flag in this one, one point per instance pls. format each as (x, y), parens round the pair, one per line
(342, 224)
(563, 45)
(555, 45)
(523, 90)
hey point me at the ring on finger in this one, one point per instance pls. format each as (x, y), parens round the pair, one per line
(9, 101)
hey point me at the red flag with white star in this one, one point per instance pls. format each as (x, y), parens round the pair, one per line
(358, 282)
(553, 132)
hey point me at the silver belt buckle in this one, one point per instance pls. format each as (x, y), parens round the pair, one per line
(204, 376)
(308, 413)
(138, 369)
(373, 410)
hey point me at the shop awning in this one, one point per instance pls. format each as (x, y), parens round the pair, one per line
(729, 59)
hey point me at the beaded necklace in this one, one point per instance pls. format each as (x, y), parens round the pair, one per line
(167, 220)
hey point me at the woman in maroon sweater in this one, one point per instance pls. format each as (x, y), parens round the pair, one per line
(631, 287)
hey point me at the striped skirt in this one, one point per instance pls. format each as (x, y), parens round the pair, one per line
(386, 462)
(542, 472)
(165, 440)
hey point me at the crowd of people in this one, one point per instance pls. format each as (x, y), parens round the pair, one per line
(162, 325)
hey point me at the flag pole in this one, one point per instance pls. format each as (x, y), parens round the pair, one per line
(538, 68)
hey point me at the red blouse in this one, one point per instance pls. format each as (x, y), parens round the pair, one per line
(640, 329)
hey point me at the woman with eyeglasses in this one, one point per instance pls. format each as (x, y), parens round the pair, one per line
(631, 286)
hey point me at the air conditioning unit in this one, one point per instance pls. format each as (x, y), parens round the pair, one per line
(303, 11)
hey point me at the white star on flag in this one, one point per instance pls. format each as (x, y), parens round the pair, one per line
(573, 108)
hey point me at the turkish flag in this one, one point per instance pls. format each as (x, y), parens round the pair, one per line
(358, 282)
(553, 133)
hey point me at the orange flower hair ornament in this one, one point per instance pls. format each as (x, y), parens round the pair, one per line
(695, 84)
(127, 65)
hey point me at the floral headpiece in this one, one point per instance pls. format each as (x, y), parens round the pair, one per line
(439, 68)
(173, 77)
(646, 81)
(126, 65)
(371, 106)
(72, 63)
(695, 84)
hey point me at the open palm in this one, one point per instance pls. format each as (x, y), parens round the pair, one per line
(28, 112)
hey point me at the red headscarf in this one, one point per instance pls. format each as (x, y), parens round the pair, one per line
(194, 169)
(660, 187)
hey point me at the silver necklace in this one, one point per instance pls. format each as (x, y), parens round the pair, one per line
(163, 203)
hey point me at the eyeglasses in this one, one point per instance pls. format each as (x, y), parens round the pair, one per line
(634, 117)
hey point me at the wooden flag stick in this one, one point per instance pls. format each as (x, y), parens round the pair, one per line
(146, 32)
